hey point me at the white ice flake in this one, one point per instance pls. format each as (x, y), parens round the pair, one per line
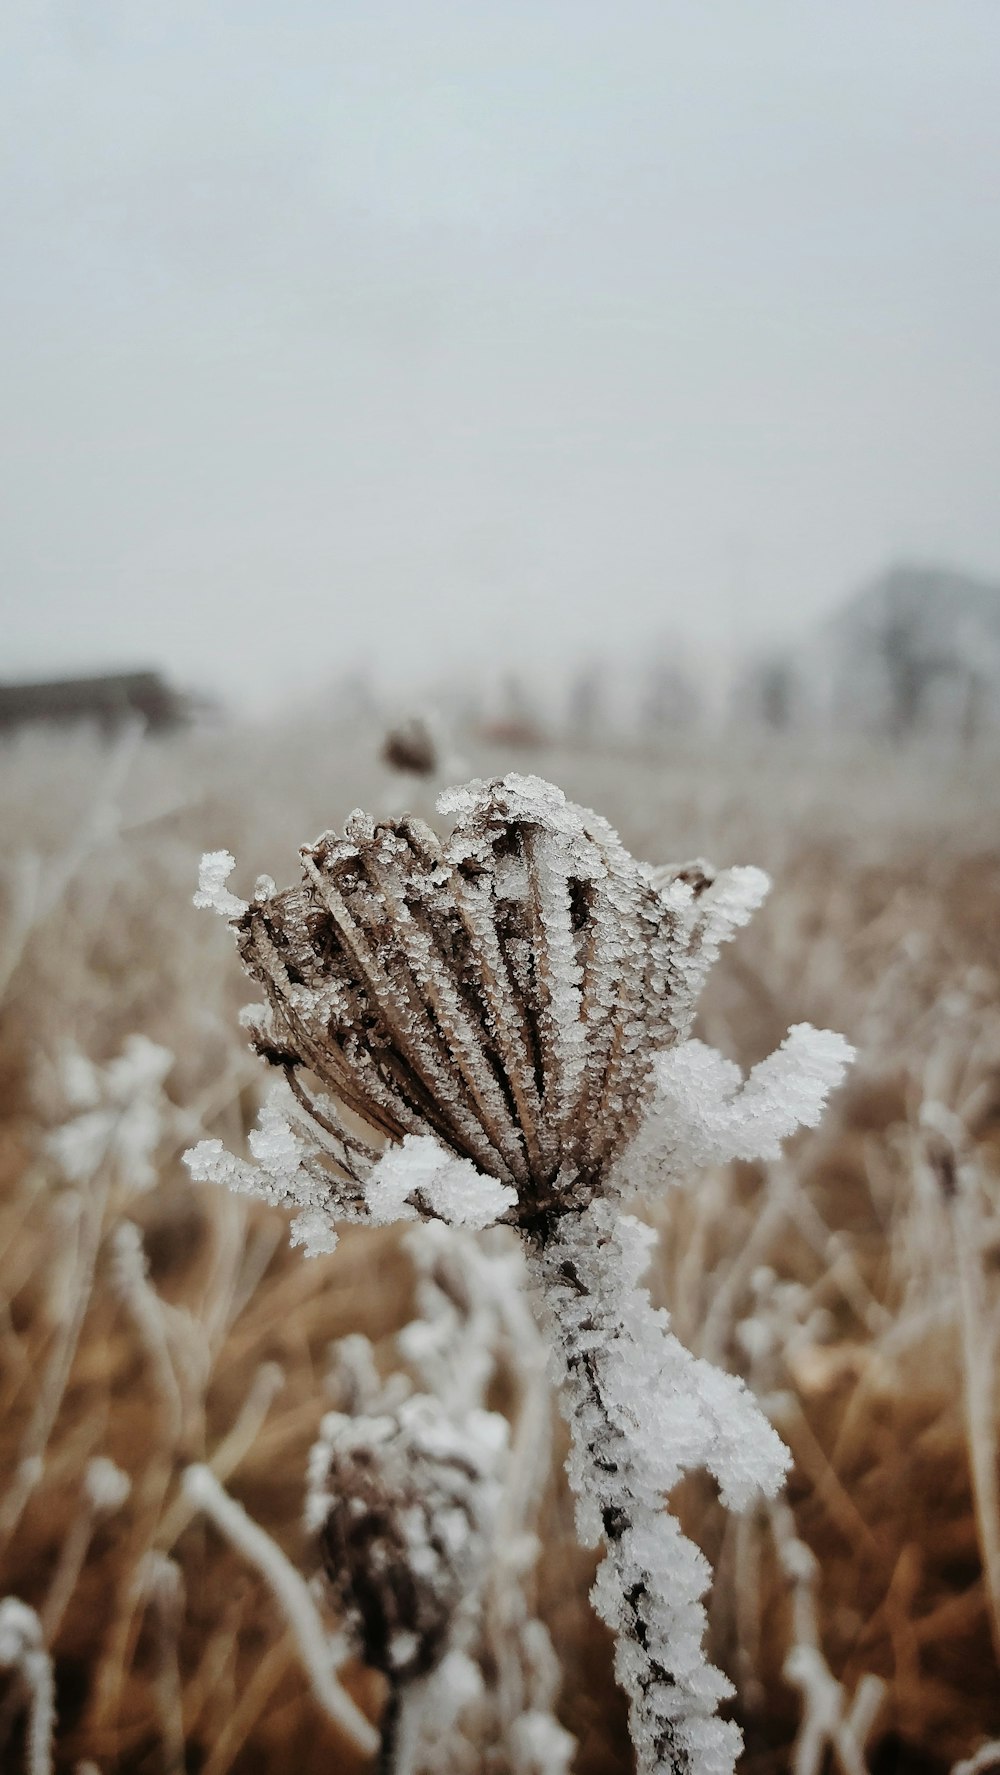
(285, 1175)
(213, 894)
(523, 798)
(106, 1486)
(277, 1149)
(419, 1172)
(316, 1231)
(705, 1112)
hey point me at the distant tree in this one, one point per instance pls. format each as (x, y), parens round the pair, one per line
(586, 714)
(670, 700)
(910, 671)
(975, 706)
(906, 674)
(776, 691)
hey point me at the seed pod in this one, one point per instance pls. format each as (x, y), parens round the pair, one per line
(401, 1503)
(409, 747)
(504, 991)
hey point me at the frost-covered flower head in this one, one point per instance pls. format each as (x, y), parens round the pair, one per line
(402, 1503)
(504, 991)
(496, 1026)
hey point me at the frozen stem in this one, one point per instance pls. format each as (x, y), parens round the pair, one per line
(292, 1593)
(22, 1649)
(642, 1411)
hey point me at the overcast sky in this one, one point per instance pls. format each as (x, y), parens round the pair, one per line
(341, 332)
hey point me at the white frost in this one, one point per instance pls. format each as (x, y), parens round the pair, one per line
(704, 1112)
(213, 894)
(451, 1188)
(643, 1412)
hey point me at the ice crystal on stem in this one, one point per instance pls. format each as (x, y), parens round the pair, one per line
(642, 1412)
(496, 1026)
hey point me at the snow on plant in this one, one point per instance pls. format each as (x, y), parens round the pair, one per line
(420, 1498)
(496, 1026)
(119, 1113)
(22, 1649)
(402, 1499)
(106, 1148)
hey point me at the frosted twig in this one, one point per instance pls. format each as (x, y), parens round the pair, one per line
(52, 1386)
(110, 1142)
(227, 1454)
(642, 1411)
(161, 1584)
(292, 1593)
(828, 1721)
(986, 1757)
(250, 1704)
(401, 1725)
(105, 1490)
(22, 1649)
(264, 1388)
(132, 1284)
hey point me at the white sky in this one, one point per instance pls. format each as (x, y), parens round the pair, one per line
(418, 332)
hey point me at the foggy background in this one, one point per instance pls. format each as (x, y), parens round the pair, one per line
(408, 337)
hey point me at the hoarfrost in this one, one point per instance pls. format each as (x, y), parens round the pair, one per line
(642, 1413)
(213, 894)
(403, 1501)
(286, 1175)
(122, 1113)
(704, 1112)
(451, 1188)
(105, 1485)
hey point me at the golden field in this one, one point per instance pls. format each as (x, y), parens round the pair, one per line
(856, 1283)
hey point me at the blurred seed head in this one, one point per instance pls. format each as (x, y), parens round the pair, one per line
(402, 1502)
(410, 747)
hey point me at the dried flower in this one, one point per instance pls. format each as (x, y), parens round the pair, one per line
(504, 992)
(510, 1010)
(402, 1503)
(423, 1502)
(410, 747)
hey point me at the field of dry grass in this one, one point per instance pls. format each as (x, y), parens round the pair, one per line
(856, 1283)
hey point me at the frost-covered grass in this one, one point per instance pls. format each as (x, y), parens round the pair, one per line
(853, 1282)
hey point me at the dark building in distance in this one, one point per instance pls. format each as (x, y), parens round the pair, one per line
(109, 701)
